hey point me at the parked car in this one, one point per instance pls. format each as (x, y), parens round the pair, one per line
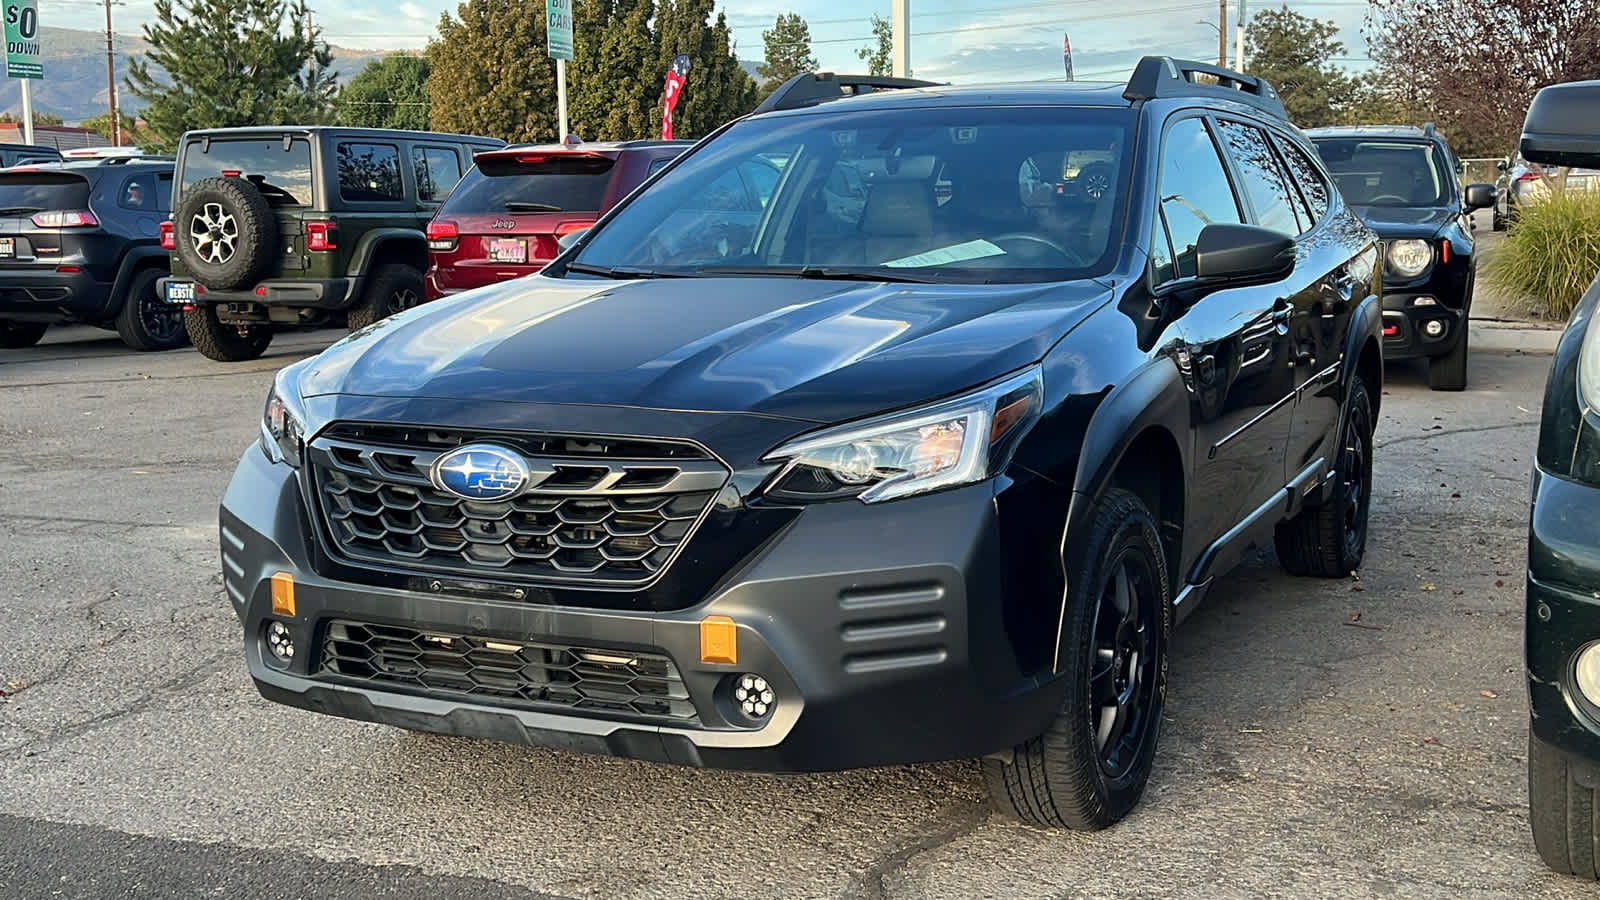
(288, 224)
(1521, 183)
(859, 486)
(1402, 180)
(80, 242)
(505, 217)
(20, 154)
(1563, 582)
(105, 152)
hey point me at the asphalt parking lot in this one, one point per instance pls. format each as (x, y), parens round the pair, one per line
(1342, 738)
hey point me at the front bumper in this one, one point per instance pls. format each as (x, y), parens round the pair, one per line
(1406, 321)
(1563, 612)
(879, 628)
(324, 293)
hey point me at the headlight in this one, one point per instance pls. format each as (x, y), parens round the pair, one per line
(950, 443)
(1589, 366)
(283, 428)
(1408, 259)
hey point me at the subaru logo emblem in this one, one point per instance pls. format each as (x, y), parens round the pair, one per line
(480, 472)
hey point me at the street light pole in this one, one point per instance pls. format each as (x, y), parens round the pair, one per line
(900, 25)
(111, 81)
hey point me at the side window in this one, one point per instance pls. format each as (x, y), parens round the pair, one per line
(370, 173)
(164, 192)
(140, 192)
(437, 170)
(728, 193)
(763, 178)
(1308, 176)
(1195, 191)
(1264, 181)
(657, 165)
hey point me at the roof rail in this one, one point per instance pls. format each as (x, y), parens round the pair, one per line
(1163, 76)
(125, 160)
(1427, 130)
(810, 89)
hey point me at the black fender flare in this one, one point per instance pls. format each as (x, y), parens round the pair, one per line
(1366, 323)
(135, 259)
(376, 240)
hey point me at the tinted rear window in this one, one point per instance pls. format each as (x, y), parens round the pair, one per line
(556, 186)
(283, 174)
(35, 191)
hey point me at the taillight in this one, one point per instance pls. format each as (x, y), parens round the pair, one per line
(69, 218)
(169, 237)
(322, 236)
(566, 228)
(1528, 176)
(442, 235)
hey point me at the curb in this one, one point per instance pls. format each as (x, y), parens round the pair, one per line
(1498, 334)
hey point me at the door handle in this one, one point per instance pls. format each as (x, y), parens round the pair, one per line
(1281, 313)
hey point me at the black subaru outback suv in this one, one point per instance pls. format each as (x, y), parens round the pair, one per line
(80, 242)
(814, 484)
(1402, 180)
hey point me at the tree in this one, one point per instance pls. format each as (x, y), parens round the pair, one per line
(718, 88)
(490, 73)
(39, 118)
(879, 58)
(614, 76)
(1295, 53)
(1474, 66)
(390, 93)
(133, 134)
(222, 63)
(788, 47)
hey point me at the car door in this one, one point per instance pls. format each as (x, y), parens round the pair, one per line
(1233, 352)
(1320, 325)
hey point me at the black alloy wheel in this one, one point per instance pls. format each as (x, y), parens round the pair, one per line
(1122, 681)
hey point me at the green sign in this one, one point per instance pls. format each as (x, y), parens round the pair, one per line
(23, 53)
(558, 22)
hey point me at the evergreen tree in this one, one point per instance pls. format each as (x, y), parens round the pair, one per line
(490, 72)
(390, 93)
(222, 63)
(620, 94)
(718, 89)
(788, 47)
(879, 57)
(1295, 52)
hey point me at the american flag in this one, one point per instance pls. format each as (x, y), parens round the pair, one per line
(677, 74)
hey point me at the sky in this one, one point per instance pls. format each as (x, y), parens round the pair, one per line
(961, 42)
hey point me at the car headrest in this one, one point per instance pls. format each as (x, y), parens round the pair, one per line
(899, 208)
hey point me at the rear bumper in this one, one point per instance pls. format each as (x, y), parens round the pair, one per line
(442, 281)
(49, 296)
(1563, 611)
(326, 293)
(878, 630)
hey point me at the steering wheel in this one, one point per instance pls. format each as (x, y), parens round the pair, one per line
(1071, 258)
(1382, 198)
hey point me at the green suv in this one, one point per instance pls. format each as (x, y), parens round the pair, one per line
(289, 224)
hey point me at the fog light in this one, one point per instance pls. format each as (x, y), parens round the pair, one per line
(1424, 301)
(755, 696)
(1433, 328)
(279, 643)
(1586, 672)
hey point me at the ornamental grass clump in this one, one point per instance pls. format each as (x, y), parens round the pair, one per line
(1551, 255)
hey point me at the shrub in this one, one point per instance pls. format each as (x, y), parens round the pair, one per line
(1552, 254)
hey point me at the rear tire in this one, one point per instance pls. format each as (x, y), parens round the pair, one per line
(1449, 372)
(223, 342)
(147, 321)
(1562, 813)
(16, 335)
(1329, 540)
(393, 288)
(1089, 768)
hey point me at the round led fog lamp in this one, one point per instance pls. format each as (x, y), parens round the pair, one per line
(1586, 672)
(1433, 328)
(755, 696)
(279, 644)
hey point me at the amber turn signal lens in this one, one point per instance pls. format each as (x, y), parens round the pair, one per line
(283, 594)
(719, 640)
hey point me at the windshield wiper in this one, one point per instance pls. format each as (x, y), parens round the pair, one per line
(526, 206)
(618, 272)
(824, 273)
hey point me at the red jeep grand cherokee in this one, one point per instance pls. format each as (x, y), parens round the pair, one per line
(503, 219)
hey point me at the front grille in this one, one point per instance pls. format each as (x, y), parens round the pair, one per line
(505, 672)
(591, 517)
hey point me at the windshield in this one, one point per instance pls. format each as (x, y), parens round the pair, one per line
(282, 170)
(935, 194)
(1385, 172)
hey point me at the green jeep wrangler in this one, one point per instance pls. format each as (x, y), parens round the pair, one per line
(290, 224)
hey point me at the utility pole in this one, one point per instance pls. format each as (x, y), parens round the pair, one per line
(111, 81)
(1238, 44)
(901, 26)
(1222, 33)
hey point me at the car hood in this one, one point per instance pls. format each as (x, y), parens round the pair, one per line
(806, 349)
(1404, 221)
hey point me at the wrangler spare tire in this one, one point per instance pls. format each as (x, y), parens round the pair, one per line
(226, 233)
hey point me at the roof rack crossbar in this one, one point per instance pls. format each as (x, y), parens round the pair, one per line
(1165, 76)
(810, 89)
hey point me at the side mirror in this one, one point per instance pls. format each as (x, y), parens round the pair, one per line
(1502, 166)
(1563, 125)
(567, 240)
(1242, 253)
(1480, 196)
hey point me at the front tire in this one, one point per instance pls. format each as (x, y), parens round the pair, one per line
(1089, 768)
(1329, 540)
(1562, 813)
(221, 341)
(1449, 372)
(393, 288)
(17, 335)
(147, 321)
